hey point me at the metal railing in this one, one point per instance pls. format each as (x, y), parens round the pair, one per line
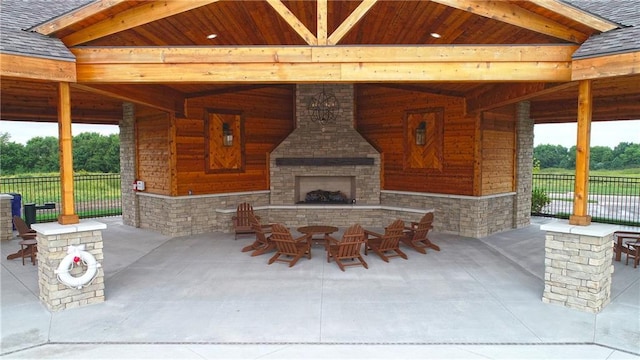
(614, 200)
(95, 195)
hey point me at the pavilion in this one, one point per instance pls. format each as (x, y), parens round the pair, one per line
(432, 106)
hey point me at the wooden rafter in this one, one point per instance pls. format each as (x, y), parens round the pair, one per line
(293, 21)
(158, 97)
(351, 21)
(575, 14)
(140, 15)
(505, 94)
(75, 16)
(515, 15)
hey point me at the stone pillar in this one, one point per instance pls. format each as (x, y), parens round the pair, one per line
(524, 166)
(53, 242)
(6, 221)
(130, 206)
(578, 265)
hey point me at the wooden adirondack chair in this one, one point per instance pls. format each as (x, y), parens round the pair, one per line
(382, 244)
(28, 244)
(241, 224)
(415, 235)
(263, 242)
(348, 248)
(286, 245)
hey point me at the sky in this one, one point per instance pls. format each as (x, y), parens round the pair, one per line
(603, 133)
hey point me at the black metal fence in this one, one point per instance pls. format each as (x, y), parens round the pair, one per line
(614, 200)
(95, 195)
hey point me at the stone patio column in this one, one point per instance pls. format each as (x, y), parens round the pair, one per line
(130, 211)
(6, 224)
(578, 265)
(53, 241)
(524, 166)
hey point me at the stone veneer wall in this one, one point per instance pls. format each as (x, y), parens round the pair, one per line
(578, 266)
(52, 248)
(311, 140)
(6, 220)
(464, 215)
(130, 214)
(524, 168)
(188, 215)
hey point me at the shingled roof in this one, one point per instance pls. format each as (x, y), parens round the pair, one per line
(621, 40)
(17, 16)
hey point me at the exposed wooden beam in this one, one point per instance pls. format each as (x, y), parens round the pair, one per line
(318, 72)
(506, 94)
(327, 54)
(321, 21)
(351, 21)
(576, 14)
(26, 67)
(293, 21)
(606, 66)
(325, 63)
(140, 15)
(513, 14)
(157, 97)
(75, 16)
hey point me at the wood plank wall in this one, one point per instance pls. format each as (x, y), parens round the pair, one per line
(379, 119)
(498, 151)
(153, 152)
(268, 119)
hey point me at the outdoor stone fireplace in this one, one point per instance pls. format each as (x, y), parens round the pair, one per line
(333, 157)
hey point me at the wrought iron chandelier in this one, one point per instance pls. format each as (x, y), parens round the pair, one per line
(323, 108)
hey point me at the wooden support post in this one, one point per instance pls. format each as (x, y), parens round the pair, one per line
(67, 215)
(581, 191)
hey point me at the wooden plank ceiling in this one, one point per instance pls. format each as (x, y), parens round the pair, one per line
(109, 26)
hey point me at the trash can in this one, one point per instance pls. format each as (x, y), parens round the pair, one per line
(30, 214)
(16, 205)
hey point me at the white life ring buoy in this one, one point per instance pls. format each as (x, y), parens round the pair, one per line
(63, 270)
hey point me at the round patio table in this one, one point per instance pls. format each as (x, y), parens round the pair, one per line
(317, 229)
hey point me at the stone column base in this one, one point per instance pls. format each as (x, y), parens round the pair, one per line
(53, 241)
(578, 265)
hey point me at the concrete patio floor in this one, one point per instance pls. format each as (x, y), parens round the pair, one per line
(199, 297)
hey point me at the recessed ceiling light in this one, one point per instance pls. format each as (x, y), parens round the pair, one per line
(212, 36)
(436, 35)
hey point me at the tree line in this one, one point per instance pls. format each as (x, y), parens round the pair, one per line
(624, 156)
(92, 152)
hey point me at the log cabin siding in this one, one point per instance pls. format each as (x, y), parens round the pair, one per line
(153, 154)
(498, 152)
(268, 118)
(379, 118)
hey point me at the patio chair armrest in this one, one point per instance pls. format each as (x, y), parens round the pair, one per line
(368, 233)
(330, 239)
(305, 237)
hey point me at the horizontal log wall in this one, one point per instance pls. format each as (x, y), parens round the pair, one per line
(498, 152)
(154, 158)
(268, 119)
(379, 119)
